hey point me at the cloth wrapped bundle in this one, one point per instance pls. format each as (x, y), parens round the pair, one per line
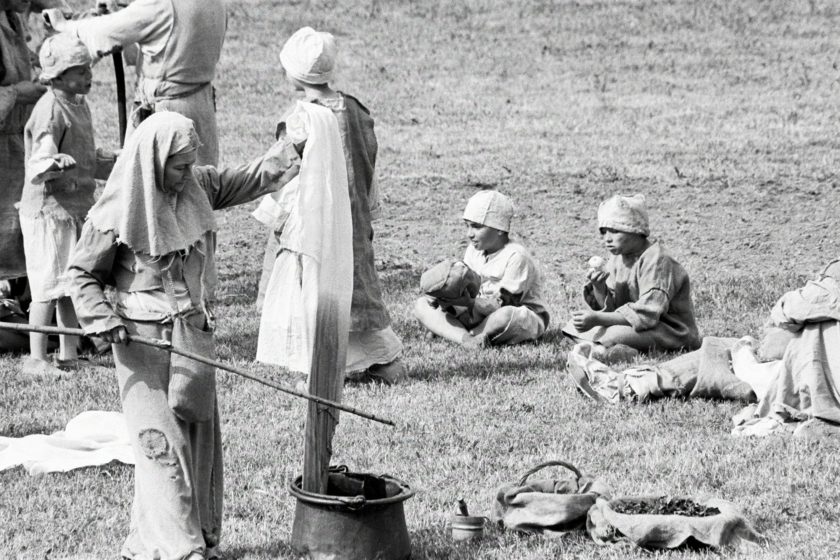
(723, 526)
(545, 505)
(450, 280)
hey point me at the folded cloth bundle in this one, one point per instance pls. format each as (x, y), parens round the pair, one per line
(450, 280)
(547, 505)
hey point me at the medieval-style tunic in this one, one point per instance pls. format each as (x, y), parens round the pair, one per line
(14, 68)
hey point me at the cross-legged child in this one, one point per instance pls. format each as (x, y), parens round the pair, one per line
(373, 350)
(641, 299)
(62, 164)
(502, 305)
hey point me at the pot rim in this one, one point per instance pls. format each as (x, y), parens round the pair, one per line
(352, 502)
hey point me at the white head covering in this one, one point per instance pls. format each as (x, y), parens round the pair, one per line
(309, 56)
(625, 213)
(490, 208)
(60, 52)
(133, 204)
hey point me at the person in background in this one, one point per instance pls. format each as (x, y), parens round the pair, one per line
(506, 307)
(180, 42)
(18, 95)
(641, 299)
(373, 350)
(61, 171)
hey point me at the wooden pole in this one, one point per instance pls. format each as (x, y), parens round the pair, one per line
(315, 401)
(325, 379)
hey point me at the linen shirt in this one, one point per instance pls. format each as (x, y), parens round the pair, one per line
(509, 276)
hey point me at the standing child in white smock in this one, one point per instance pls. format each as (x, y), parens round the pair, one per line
(62, 164)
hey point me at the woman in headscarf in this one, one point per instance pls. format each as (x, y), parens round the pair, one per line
(150, 237)
(18, 94)
(180, 44)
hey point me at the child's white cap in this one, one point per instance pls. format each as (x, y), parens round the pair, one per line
(309, 56)
(490, 208)
(61, 52)
(624, 213)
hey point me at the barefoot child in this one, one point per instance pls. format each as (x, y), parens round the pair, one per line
(61, 164)
(373, 350)
(507, 308)
(641, 299)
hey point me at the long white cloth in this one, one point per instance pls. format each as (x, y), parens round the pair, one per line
(315, 264)
(92, 438)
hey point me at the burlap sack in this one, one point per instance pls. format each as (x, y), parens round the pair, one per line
(450, 280)
(728, 528)
(547, 505)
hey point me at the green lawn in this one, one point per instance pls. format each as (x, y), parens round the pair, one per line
(724, 113)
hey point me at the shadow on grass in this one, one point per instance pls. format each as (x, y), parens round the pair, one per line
(278, 549)
(443, 360)
(437, 542)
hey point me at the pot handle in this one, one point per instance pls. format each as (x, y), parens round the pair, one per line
(554, 463)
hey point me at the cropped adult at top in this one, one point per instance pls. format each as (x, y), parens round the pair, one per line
(180, 42)
(150, 237)
(18, 94)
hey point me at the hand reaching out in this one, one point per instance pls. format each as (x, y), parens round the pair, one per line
(64, 162)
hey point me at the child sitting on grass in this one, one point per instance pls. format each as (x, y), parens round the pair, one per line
(641, 299)
(506, 307)
(62, 164)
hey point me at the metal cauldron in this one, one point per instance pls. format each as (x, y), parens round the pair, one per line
(360, 518)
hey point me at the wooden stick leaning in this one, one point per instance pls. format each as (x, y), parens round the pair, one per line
(164, 345)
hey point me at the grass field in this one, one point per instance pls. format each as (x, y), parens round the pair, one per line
(724, 113)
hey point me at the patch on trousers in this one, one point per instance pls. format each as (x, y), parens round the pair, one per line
(153, 443)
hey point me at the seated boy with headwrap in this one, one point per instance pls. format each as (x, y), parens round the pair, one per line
(793, 373)
(641, 299)
(492, 297)
(62, 163)
(373, 349)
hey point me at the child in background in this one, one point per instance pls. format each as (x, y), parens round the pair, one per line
(373, 350)
(641, 299)
(507, 308)
(62, 163)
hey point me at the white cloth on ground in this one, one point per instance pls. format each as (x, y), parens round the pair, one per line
(316, 258)
(92, 438)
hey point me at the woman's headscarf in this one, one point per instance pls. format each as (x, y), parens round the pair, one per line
(133, 204)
